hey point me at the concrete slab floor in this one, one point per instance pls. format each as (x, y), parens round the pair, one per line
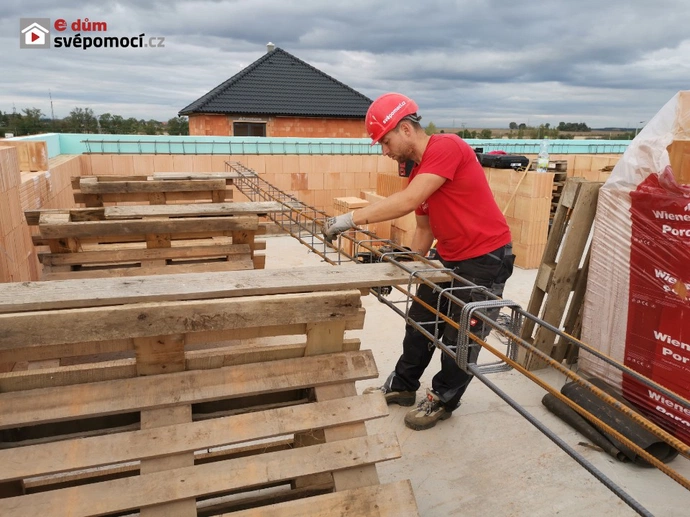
(487, 459)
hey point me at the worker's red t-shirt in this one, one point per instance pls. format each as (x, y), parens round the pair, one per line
(463, 214)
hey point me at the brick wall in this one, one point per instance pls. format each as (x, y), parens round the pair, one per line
(306, 127)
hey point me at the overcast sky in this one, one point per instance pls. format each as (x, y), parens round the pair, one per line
(478, 63)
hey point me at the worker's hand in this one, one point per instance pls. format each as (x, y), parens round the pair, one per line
(336, 225)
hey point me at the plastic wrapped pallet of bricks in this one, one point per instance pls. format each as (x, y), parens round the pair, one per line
(637, 307)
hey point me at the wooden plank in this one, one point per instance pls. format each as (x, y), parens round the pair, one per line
(183, 483)
(95, 200)
(391, 500)
(151, 392)
(28, 296)
(87, 186)
(55, 230)
(162, 318)
(73, 372)
(167, 417)
(67, 375)
(192, 210)
(196, 175)
(237, 264)
(565, 274)
(139, 211)
(64, 456)
(137, 255)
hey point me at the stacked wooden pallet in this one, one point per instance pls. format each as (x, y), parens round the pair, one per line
(190, 419)
(562, 277)
(149, 239)
(159, 189)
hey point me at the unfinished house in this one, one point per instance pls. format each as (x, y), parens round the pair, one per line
(279, 95)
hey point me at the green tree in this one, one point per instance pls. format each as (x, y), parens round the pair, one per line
(430, 128)
(513, 125)
(178, 126)
(81, 120)
(30, 123)
(485, 133)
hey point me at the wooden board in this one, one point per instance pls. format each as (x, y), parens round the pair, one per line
(91, 185)
(159, 487)
(391, 500)
(51, 227)
(29, 296)
(557, 276)
(140, 211)
(26, 329)
(64, 456)
(46, 405)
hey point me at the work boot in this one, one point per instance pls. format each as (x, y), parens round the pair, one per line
(402, 398)
(427, 413)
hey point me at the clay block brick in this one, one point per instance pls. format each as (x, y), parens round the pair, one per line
(528, 257)
(274, 164)
(161, 163)
(291, 164)
(217, 163)
(182, 163)
(354, 163)
(102, 164)
(361, 180)
(306, 163)
(315, 180)
(123, 164)
(534, 184)
(257, 163)
(15, 209)
(142, 164)
(320, 163)
(500, 180)
(515, 228)
(202, 163)
(531, 209)
(534, 232)
(299, 181)
(369, 163)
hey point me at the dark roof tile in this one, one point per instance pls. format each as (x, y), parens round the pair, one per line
(278, 83)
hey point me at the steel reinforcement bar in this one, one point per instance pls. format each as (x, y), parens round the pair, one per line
(305, 222)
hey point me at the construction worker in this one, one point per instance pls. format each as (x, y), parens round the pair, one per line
(453, 203)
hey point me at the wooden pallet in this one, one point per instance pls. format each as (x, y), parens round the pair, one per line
(562, 277)
(208, 414)
(159, 189)
(140, 240)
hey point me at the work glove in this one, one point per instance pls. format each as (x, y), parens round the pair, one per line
(336, 225)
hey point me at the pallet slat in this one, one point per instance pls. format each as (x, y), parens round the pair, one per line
(64, 456)
(126, 395)
(183, 483)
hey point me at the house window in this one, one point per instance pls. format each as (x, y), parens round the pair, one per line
(249, 128)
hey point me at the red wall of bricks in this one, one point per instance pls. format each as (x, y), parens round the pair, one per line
(221, 125)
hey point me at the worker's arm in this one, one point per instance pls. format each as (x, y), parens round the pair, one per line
(400, 203)
(423, 236)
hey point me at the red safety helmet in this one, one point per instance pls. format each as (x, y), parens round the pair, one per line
(385, 113)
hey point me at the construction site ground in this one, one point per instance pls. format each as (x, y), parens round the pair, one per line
(487, 459)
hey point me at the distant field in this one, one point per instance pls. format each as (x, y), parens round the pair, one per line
(500, 133)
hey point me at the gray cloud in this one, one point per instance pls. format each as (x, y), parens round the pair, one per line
(478, 63)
